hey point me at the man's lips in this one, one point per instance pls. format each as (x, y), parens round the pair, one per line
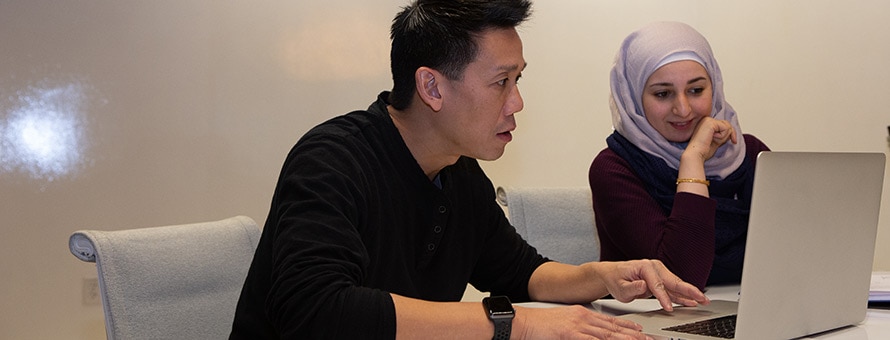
(506, 135)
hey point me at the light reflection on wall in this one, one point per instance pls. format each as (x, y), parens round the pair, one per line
(43, 130)
(335, 45)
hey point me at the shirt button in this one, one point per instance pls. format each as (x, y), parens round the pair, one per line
(437, 229)
(442, 209)
(430, 247)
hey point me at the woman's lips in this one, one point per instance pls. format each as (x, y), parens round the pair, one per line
(681, 125)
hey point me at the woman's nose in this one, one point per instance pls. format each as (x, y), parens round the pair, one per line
(682, 107)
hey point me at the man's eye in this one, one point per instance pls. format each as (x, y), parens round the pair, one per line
(502, 82)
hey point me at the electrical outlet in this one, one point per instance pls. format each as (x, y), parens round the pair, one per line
(91, 294)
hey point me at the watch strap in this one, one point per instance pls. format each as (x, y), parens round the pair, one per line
(500, 312)
(502, 329)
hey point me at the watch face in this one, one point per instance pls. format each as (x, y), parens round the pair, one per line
(499, 305)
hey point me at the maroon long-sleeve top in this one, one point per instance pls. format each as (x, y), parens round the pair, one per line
(632, 225)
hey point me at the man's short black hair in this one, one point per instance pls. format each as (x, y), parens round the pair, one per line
(440, 34)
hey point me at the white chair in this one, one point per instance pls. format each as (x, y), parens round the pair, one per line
(557, 221)
(171, 282)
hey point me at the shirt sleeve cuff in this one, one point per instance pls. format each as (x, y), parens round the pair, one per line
(689, 206)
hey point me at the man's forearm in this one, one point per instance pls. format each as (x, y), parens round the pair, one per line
(419, 319)
(564, 283)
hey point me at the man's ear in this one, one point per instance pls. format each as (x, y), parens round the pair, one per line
(427, 83)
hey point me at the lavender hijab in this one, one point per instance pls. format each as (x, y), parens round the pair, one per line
(643, 52)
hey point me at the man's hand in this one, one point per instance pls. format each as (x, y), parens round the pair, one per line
(636, 279)
(572, 322)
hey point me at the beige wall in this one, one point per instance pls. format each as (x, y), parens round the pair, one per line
(164, 112)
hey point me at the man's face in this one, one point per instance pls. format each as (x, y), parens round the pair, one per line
(477, 114)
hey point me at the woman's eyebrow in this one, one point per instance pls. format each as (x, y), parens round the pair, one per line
(691, 81)
(696, 80)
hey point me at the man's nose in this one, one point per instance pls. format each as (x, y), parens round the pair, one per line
(515, 102)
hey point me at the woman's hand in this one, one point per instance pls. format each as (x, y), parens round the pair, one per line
(709, 135)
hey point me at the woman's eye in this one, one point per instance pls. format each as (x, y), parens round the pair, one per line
(661, 94)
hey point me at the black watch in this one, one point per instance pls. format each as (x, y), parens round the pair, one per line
(500, 312)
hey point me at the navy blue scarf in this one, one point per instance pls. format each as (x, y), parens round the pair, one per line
(733, 196)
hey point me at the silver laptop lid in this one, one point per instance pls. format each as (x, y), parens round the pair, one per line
(811, 242)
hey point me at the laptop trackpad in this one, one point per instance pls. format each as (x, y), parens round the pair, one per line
(658, 319)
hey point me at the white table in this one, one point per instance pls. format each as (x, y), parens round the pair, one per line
(876, 325)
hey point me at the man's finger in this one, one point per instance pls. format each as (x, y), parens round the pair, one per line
(651, 274)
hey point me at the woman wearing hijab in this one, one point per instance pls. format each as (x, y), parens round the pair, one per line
(675, 181)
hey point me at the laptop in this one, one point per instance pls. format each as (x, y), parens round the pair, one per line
(809, 252)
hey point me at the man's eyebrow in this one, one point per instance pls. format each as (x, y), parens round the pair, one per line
(511, 67)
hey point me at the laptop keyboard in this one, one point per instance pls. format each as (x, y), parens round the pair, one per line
(722, 327)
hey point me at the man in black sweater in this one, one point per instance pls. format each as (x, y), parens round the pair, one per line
(382, 216)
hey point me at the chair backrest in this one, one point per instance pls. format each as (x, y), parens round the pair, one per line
(557, 221)
(171, 282)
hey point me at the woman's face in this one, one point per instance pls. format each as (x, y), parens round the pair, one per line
(676, 97)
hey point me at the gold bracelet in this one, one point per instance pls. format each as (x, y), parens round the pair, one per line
(694, 180)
